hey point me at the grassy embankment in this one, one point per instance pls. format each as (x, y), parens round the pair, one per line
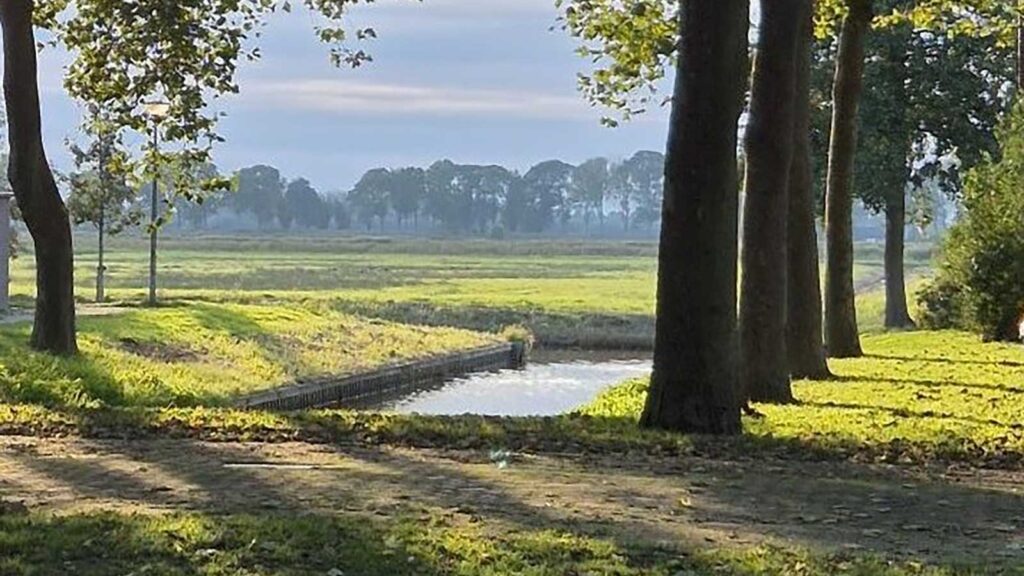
(207, 354)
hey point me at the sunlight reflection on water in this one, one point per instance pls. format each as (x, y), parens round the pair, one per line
(549, 385)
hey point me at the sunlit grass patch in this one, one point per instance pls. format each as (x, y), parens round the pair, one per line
(206, 354)
(915, 395)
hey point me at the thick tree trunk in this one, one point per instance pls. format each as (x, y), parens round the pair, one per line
(896, 313)
(804, 339)
(694, 385)
(841, 335)
(34, 187)
(764, 371)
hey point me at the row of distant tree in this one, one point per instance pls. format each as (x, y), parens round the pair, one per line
(552, 196)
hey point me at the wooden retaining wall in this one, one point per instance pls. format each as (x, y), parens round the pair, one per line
(389, 381)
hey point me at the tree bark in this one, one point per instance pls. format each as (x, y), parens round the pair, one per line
(841, 334)
(101, 268)
(804, 338)
(764, 371)
(694, 385)
(1020, 47)
(35, 190)
(896, 313)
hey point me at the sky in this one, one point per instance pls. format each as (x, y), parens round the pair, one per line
(475, 81)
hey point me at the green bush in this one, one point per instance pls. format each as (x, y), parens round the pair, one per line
(980, 285)
(940, 305)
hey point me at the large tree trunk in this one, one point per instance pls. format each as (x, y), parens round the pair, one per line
(694, 385)
(896, 313)
(804, 339)
(764, 372)
(34, 187)
(841, 335)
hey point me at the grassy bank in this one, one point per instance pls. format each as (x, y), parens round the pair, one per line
(206, 354)
(916, 397)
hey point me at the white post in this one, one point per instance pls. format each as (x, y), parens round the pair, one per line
(5, 251)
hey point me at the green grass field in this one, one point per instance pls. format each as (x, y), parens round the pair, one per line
(245, 314)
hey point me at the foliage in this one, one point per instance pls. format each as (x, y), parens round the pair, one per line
(637, 187)
(907, 135)
(306, 204)
(259, 190)
(100, 194)
(370, 198)
(185, 53)
(940, 305)
(984, 253)
(632, 43)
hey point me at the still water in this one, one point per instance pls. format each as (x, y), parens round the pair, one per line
(552, 383)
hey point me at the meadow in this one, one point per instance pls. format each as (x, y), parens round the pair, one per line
(905, 463)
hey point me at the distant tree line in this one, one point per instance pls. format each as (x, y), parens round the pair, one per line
(599, 195)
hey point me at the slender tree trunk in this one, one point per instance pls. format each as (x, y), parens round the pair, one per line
(153, 215)
(101, 225)
(804, 338)
(35, 190)
(764, 372)
(694, 385)
(1020, 47)
(896, 313)
(841, 334)
(101, 268)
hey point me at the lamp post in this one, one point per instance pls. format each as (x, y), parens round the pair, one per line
(156, 111)
(5, 249)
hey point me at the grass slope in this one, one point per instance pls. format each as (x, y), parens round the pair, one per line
(206, 354)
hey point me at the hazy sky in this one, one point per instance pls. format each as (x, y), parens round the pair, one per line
(476, 81)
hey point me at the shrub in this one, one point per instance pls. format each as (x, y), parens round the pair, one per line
(981, 280)
(940, 305)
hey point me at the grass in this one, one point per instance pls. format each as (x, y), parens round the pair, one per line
(918, 397)
(568, 292)
(914, 397)
(208, 354)
(427, 543)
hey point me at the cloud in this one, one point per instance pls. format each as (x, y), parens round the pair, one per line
(355, 98)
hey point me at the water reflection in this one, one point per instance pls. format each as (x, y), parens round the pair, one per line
(552, 383)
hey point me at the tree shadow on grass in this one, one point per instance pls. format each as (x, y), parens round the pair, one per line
(393, 504)
(815, 506)
(942, 360)
(930, 383)
(906, 413)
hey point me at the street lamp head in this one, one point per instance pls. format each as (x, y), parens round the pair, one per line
(157, 110)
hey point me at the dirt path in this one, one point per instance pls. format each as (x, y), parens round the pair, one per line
(826, 506)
